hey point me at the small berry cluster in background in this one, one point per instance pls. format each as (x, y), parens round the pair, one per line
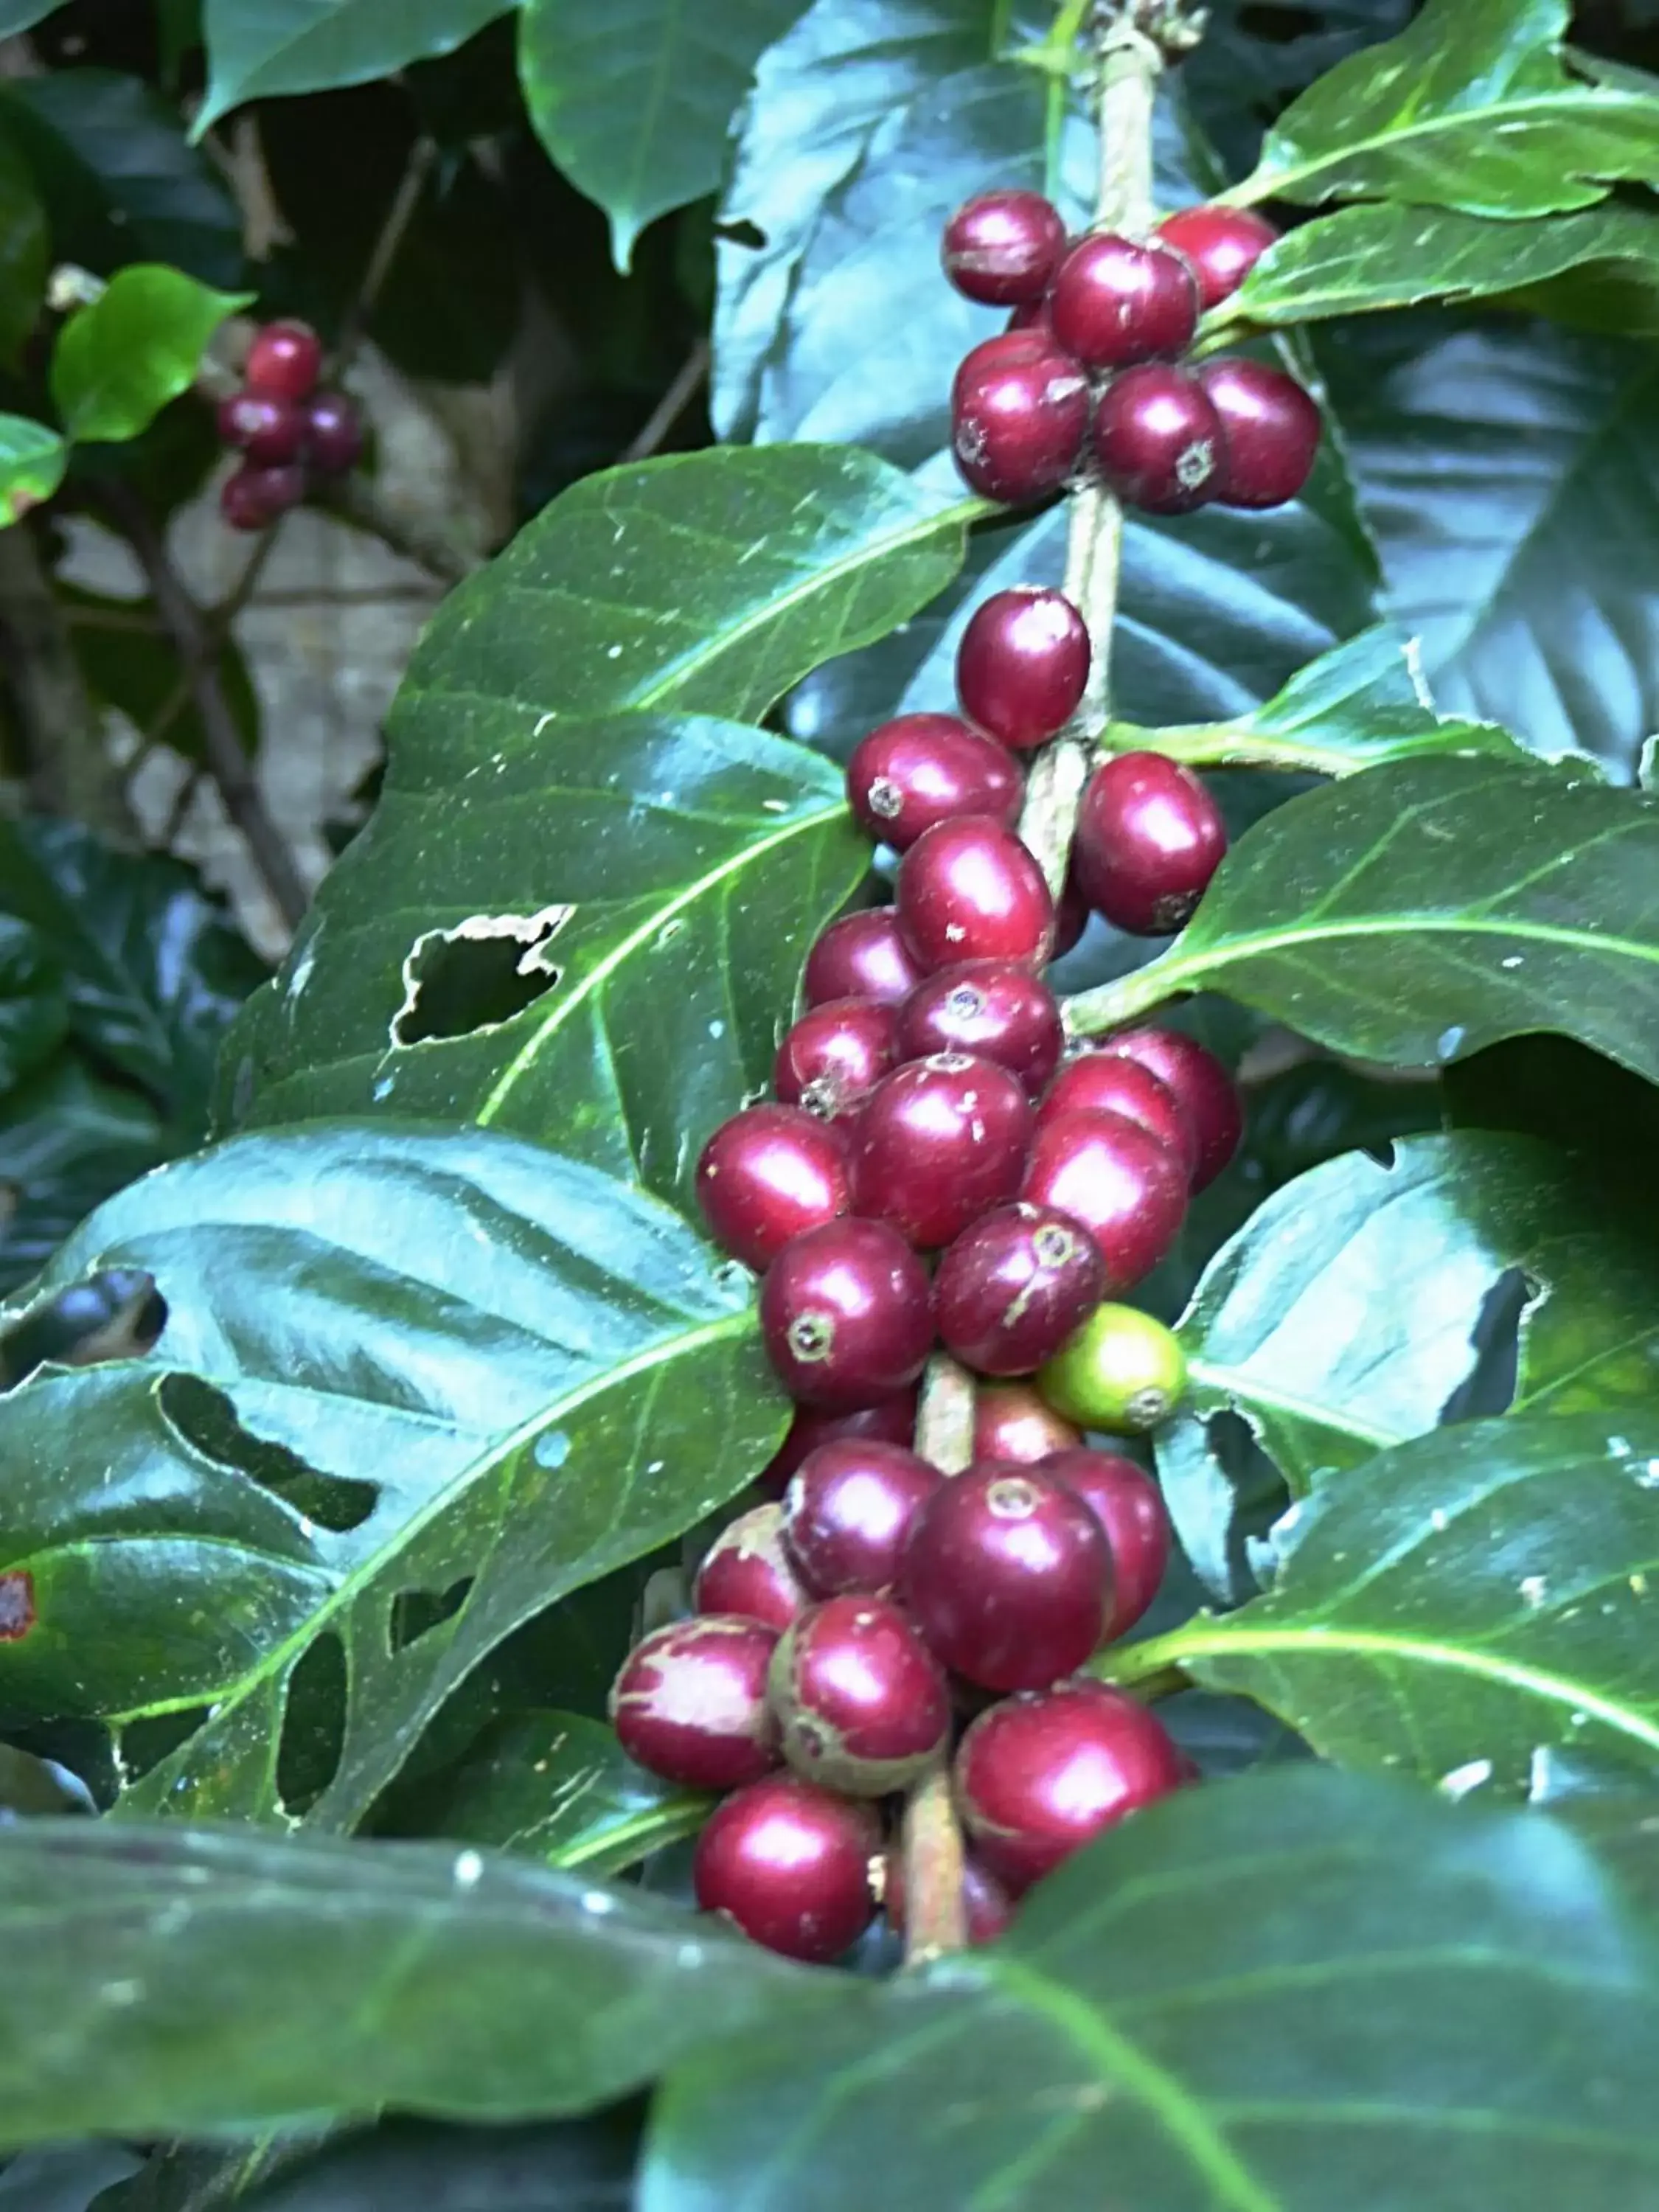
(287, 431)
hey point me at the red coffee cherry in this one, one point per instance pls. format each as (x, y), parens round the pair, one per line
(989, 1007)
(1039, 1777)
(1270, 431)
(1115, 302)
(846, 1314)
(939, 1140)
(847, 1512)
(253, 497)
(268, 429)
(1202, 1087)
(767, 1175)
(1007, 348)
(1014, 1286)
(834, 1055)
(1126, 1190)
(1111, 1082)
(922, 769)
(967, 890)
(1223, 244)
(862, 955)
(1149, 838)
(1159, 440)
(1129, 1506)
(889, 1420)
(1018, 423)
(334, 432)
(1022, 666)
(986, 1904)
(747, 1573)
(1014, 1423)
(284, 359)
(690, 1703)
(1002, 248)
(862, 1702)
(793, 1865)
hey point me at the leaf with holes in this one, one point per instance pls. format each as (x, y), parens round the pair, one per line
(119, 360)
(412, 1389)
(257, 48)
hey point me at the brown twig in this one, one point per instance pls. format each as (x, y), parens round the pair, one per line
(355, 501)
(672, 404)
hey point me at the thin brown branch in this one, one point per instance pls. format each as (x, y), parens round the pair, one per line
(672, 404)
(405, 205)
(357, 501)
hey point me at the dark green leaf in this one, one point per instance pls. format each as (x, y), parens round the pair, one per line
(34, 1015)
(1247, 65)
(70, 2178)
(259, 48)
(67, 1142)
(24, 252)
(17, 15)
(32, 461)
(566, 2166)
(130, 664)
(1436, 2010)
(139, 344)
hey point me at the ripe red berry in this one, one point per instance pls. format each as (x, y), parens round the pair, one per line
(793, 1865)
(1202, 1087)
(1003, 248)
(1018, 420)
(834, 1056)
(1223, 244)
(690, 1703)
(252, 497)
(862, 1702)
(1115, 302)
(1014, 1422)
(846, 1313)
(1158, 441)
(1128, 1190)
(1007, 1574)
(267, 429)
(1111, 1082)
(1129, 1506)
(1022, 666)
(1039, 1777)
(847, 1512)
(334, 432)
(939, 1140)
(1027, 343)
(284, 359)
(862, 955)
(747, 1573)
(967, 890)
(890, 1420)
(922, 769)
(990, 1007)
(768, 1174)
(986, 1904)
(1014, 1286)
(1270, 430)
(1149, 838)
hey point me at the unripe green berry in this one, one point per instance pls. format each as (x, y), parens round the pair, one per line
(1121, 1371)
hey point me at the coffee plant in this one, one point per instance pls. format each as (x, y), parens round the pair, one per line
(892, 1425)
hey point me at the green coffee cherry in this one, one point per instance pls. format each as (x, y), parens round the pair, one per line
(1122, 1371)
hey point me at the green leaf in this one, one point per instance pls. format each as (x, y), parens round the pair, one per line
(129, 664)
(32, 463)
(17, 15)
(24, 252)
(1470, 108)
(1281, 1994)
(412, 1389)
(68, 1141)
(67, 2177)
(33, 1014)
(257, 48)
(120, 360)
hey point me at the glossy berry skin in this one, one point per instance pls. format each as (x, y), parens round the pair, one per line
(1157, 439)
(1014, 1286)
(862, 1704)
(1022, 666)
(919, 769)
(1129, 1506)
(1018, 421)
(847, 1511)
(1037, 1777)
(889, 1420)
(1126, 1190)
(747, 1572)
(1270, 430)
(690, 1703)
(768, 1174)
(862, 955)
(793, 1865)
(1202, 1086)
(284, 359)
(846, 1314)
(1001, 248)
(334, 434)
(268, 429)
(1112, 1082)
(834, 1055)
(990, 1007)
(939, 1140)
(1223, 245)
(1013, 1422)
(967, 890)
(1149, 839)
(1123, 1372)
(987, 1905)
(1115, 303)
(253, 497)
(1020, 341)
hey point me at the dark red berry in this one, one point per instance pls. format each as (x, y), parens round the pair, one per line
(1112, 1082)
(267, 429)
(1039, 1777)
(967, 890)
(1129, 1506)
(1022, 666)
(849, 1509)
(923, 769)
(862, 955)
(986, 1904)
(794, 1865)
(862, 1702)
(1202, 1086)
(1270, 430)
(284, 359)
(690, 1703)
(1018, 423)
(746, 1571)
(846, 1314)
(1128, 1190)
(1159, 440)
(891, 1420)
(990, 1007)
(1008, 347)
(253, 497)
(1014, 1422)
(939, 1140)
(1071, 918)
(1223, 244)
(1008, 1576)
(1003, 248)
(767, 1175)
(1115, 302)
(834, 1056)
(334, 432)
(1014, 1286)
(1149, 838)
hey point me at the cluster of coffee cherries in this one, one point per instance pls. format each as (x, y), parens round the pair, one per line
(1089, 374)
(287, 431)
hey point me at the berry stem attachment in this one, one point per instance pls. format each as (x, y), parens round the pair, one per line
(936, 1918)
(1230, 744)
(945, 1421)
